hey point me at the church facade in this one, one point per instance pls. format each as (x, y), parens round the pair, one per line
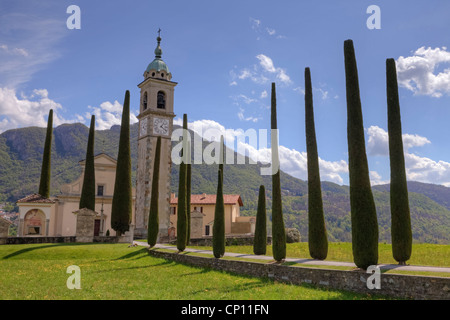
(57, 216)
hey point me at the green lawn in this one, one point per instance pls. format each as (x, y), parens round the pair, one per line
(115, 271)
(422, 254)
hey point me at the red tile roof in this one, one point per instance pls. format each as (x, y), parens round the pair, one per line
(198, 199)
(35, 198)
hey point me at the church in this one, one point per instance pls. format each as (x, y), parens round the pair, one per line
(57, 216)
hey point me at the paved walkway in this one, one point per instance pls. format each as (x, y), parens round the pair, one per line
(303, 261)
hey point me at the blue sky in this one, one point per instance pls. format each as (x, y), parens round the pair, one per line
(224, 56)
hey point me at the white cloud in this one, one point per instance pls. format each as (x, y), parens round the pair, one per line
(245, 74)
(109, 114)
(28, 111)
(266, 63)
(413, 140)
(282, 76)
(426, 170)
(255, 23)
(375, 178)
(14, 51)
(324, 94)
(378, 141)
(292, 161)
(245, 99)
(418, 168)
(243, 118)
(270, 31)
(264, 94)
(418, 72)
(261, 30)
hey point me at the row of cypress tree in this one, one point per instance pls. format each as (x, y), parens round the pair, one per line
(363, 210)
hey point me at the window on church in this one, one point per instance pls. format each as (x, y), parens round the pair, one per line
(144, 101)
(173, 210)
(161, 102)
(100, 190)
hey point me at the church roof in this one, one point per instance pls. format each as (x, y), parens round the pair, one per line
(100, 156)
(35, 198)
(204, 199)
(158, 64)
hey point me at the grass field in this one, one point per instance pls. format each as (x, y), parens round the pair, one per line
(115, 271)
(422, 254)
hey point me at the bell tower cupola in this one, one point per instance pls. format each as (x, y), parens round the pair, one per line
(158, 69)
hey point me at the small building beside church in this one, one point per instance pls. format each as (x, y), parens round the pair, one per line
(57, 216)
(202, 215)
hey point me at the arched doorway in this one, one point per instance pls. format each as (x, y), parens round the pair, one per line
(34, 223)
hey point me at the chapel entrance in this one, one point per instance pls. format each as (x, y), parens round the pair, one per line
(34, 223)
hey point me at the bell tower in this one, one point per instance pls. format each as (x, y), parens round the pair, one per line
(155, 119)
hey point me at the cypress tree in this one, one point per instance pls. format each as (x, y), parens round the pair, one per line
(221, 155)
(219, 220)
(400, 215)
(122, 199)
(87, 199)
(44, 184)
(278, 231)
(363, 211)
(317, 233)
(188, 193)
(182, 194)
(260, 239)
(153, 218)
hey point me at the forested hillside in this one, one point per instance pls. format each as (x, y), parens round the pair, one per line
(21, 155)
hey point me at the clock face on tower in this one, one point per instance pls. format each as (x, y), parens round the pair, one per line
(143, 127)
(161, 126)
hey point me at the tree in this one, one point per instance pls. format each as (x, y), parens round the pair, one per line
(278, 232)
(221, 155)
(87, 199)
(44, 184)
(400, 215)
(182, 193)
(362, 205)
(122, 198)
(188, 193)
(153, 218)
(219, 220)
(260, 239)
(317, 233)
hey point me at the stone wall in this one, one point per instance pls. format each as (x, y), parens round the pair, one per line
(230, 240)
(394, 285)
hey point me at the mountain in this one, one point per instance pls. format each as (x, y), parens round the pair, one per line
(21, 156)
